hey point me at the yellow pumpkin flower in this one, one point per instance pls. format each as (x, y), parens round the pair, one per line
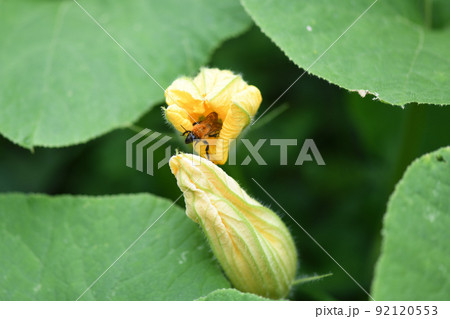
(213, 90)
(250, 241)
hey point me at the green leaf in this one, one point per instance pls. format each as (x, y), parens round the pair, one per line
(53, 248)
(391, 51)
(415, 258)
(231, 294)
(63, 81)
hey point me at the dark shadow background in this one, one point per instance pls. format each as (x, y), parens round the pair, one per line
(365, 144)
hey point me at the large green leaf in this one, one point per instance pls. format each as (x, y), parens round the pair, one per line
(64, 81)
(415, 257)
(231, 295)
(392, 51)
(54, 248)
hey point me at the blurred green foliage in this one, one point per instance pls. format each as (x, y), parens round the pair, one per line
(365, 144)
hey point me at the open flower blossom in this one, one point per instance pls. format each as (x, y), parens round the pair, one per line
(212, 90)
(250, 241)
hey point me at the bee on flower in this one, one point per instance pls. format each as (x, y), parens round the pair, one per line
(216, 104)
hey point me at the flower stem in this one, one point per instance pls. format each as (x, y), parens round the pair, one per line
(428, 9)
(301, 281)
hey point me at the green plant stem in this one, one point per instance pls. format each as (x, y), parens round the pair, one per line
(411, 138)
(270, 116)
(303, 280)
(428, 8)
(135, 128)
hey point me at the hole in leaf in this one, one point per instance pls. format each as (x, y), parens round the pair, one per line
(440, 158)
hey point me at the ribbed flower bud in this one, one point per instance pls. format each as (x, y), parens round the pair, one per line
(249, 240)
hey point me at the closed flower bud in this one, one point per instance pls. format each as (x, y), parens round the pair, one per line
(252, 244)
(212, 90)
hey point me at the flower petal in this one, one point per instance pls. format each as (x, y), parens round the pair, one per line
(208, 79)
(184, 93)
(218, 88)
(244, 106)
(179, 118)
(249, 99)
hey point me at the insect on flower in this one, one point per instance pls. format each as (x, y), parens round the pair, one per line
(191, 101)
(209, 127)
